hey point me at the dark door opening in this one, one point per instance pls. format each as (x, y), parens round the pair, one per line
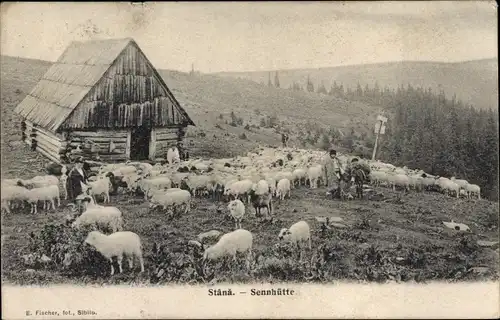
(139, 143)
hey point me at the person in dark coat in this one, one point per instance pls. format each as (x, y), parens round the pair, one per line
(284, 139)
(76, 177)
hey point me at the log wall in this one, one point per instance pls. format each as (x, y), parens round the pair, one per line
(54, 146)
(162, 139)
(47, 143)
(101, 143)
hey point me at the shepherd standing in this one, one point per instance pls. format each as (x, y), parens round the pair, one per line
(77, 178)
(284, 139)
(333, 172)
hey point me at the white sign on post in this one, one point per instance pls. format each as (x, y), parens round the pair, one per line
(381, 118)
(377, 127)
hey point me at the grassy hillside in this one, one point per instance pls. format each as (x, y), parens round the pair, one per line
(394, 236)
(210, 99)
(474, 82)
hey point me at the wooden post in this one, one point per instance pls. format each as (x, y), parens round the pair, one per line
(376, 141)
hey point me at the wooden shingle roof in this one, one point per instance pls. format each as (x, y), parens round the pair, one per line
(69, 80)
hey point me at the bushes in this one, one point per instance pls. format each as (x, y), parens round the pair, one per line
(66, 249)
(337, 254)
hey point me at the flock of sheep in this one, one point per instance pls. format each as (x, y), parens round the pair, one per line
(255, 179)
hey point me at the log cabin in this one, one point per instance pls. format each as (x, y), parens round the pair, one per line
(105, 98)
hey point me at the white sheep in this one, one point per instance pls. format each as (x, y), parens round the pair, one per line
(174, 198)
(237, 211)
(313, 174)
(153, 194)
(283, 188)
(461, 183)
(118, 244)
(178, 177)
(229, 244)
(197, 183)
(48, 193)
(299, 175)
(239, 188)
(132, 180)
(102, 186)
(417, 182)
(272, 185)
(40, 181)
(473, 189)
(400, 180)
(121, 171)
(297, 234)
(157, 183)
(100, 216)
(261, 188)
(447, 186)
(9, 182)
(11, 194)
(378, 178)
(284, 175)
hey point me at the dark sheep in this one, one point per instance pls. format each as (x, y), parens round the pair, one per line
(54, 169)
(227, 165)
(262, 201)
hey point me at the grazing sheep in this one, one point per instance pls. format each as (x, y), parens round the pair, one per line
(284, 175)
(197, 183)
(157, 183)
(261, 188)
(447, 186)
(237, 211)
(48, 193)
(121, 171)
(102, 186)
(473, 189)
(298, 233)
(118, 244)
(239, 188)
(229, 244)
(461, 183)
(212, 234)
(283, 188)
(174, 198)
(39, 182)
(262, 201)
(313, 174)
(100, 216)
(272, 185)
(400, 180)
(378, 178)
(11, 194)
(299, 176)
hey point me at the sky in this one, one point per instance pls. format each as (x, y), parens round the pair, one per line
(258, 36)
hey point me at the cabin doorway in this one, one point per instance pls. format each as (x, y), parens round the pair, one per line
(139, 143)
